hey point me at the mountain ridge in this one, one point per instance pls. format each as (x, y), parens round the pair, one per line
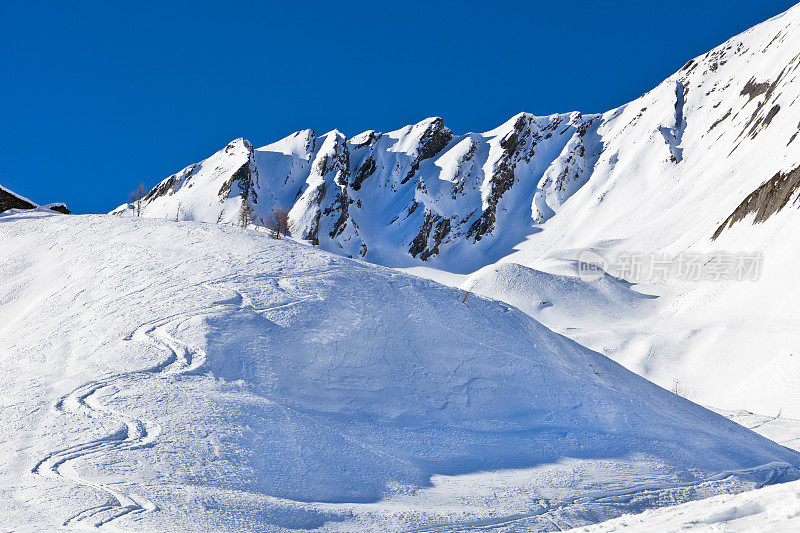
(417, 180)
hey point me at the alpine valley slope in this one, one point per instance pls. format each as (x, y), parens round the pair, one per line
(178, 376)
(707, 161)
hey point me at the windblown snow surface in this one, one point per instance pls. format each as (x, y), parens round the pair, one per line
(775, 509)
(178, 376)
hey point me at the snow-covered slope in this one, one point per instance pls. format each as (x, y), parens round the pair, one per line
(204, 377)
(559, 298)
(774, 509)
(704, 164)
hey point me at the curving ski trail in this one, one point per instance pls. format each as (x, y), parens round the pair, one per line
(133, 433)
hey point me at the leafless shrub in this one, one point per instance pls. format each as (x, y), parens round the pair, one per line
(135, 199)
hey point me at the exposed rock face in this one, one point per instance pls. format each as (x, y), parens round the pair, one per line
(8, 200)
(765, 201)
(60, 208)
(326, 201)
(244, 179)
(431, 142)
(502, 176)
(433, 232)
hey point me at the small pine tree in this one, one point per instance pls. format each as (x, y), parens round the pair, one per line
(278, 223)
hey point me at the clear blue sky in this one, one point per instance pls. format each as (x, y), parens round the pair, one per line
(96, 97)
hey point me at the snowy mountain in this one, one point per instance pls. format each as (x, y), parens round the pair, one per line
(205, 377)
(595, 280)
(723, 125)
(705, 166)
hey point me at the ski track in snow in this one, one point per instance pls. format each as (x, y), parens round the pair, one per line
(135, 433)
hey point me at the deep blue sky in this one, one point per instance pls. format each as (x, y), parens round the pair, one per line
(96, 97)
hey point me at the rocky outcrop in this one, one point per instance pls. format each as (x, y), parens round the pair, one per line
(765, 201)
(432, 141)
(321, 215)
(432, 234)
(245, 178)
(10, 200)
(502, 176)
(60, 208)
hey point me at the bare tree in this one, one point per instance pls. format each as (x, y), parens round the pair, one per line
(247, 213)
(278, 223)
(135, 199)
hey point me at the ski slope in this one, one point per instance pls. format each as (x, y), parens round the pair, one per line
(178, 376)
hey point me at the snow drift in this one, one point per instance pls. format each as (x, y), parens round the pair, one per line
(559, 298)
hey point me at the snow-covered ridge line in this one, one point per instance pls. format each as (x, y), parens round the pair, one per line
(462, 201)
(415, 194)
